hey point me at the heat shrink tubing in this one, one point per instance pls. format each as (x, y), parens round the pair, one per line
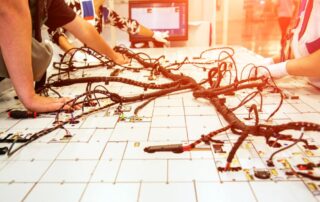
(19, 114)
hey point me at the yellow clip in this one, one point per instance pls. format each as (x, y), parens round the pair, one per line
(235, 161)
(136, 144)
(274, 172)
(312, 187)
(261, 153)
(135, 118)
(285, 163)
(305, 160)
(16, 136)
(248, 146)
(309, 153)
(247, 173)
(122, 117)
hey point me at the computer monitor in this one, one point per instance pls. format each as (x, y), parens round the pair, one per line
(161, 15)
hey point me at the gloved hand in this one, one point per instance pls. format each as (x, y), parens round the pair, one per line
(277, 71)
(266, 61)
(81, 56)
(161, 36)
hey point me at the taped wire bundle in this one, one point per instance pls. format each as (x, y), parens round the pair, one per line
(223, 78)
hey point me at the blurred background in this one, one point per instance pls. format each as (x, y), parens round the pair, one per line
(249, 23)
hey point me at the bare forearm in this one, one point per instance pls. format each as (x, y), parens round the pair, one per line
(64, 43)
(88, 35)
(305, 66)
(96, 42)
(16, 46)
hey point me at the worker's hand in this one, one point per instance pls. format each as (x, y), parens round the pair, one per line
(81, 56)
(266, 61)
(161, 36)
(277, 71)
(48, 104)
(120, 59)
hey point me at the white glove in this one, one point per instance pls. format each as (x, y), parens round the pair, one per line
(80, 56)
(277, 70)
(266, 61)
(161, 36)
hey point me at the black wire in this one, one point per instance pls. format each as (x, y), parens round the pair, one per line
(287, 147)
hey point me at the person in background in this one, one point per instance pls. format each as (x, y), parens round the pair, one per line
(248, 6)
(267, 10)
(305, 46)
(20, 21)
(96, 16)
(286, 9)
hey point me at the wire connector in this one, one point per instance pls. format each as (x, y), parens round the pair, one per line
(175, 148)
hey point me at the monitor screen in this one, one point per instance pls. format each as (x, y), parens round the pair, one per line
(161, 15)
